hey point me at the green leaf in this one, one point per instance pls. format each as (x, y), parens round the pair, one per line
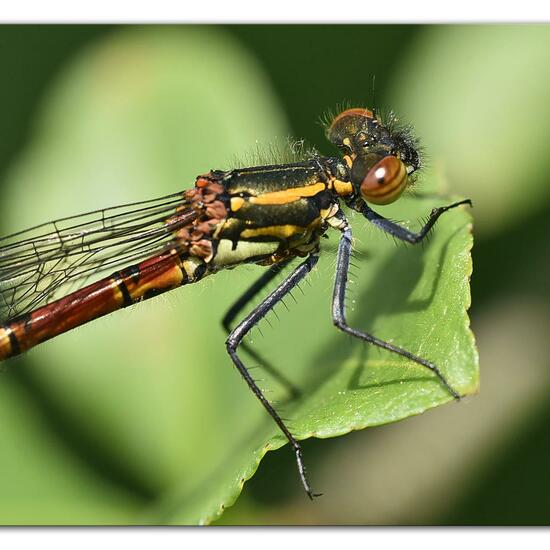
(151, 389)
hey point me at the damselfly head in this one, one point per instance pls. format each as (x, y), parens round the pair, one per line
(380, 154)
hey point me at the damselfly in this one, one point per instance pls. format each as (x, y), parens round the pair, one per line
(266, 215)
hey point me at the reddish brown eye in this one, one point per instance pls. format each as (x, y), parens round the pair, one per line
(385, 181)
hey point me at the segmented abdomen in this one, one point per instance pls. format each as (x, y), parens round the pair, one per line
(124, 288)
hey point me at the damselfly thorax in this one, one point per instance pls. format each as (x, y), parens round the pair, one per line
(266, 215)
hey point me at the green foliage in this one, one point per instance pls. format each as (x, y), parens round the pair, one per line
(149, 393)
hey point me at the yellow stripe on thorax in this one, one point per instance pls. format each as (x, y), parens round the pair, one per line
(286, 231)
(288, 195)
(279, 231)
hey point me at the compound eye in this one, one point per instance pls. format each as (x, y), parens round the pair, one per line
(385, 181)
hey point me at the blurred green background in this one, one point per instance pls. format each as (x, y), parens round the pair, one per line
(73, 451)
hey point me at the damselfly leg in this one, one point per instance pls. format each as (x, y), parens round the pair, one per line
(341, 280)
(238, 306)
(239, 332)
(400, 232)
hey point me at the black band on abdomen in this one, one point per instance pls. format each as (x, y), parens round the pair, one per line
(121, 285)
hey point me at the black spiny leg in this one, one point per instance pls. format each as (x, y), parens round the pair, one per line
(237, 307)
(400, 232)
(238, 333)
(339, 311)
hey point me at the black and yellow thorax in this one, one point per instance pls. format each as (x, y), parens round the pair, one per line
(266, 214)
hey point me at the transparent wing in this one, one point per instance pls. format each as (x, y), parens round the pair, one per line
(48, 261)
